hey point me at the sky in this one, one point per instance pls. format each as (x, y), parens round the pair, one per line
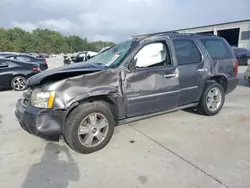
(116, 20)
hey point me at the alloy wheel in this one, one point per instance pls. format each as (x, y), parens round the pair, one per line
(214, 99)
(93, 129)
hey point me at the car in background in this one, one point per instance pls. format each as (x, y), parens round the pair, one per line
(104, 49)
(43, 55)
(52, 55)
(78, 57)
(247, 74)
(34, 54)
(31, 59)
(242, 55)
(5, 54)
(14, 73)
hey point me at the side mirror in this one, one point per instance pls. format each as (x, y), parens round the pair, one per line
(132, 65)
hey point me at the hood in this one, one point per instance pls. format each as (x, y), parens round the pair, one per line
(65, 71)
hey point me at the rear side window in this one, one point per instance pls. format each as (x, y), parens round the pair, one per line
(217, 49)
(186, 51)
(23, 58)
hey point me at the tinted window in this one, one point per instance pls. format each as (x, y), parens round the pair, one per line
(152, 55)
(10, 57)
(4, 63)
(217, 49)
(186, 51)
(23, 58)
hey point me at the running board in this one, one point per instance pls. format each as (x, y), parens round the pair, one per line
(141, 117)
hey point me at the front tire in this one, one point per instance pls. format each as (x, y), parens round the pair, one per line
(212, 99)
(19, 83)
(89, 127)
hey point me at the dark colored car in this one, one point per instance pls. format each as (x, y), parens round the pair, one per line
(14, 74)
(6, 54)
(242, 55)
(43, 55)
(67, 60)
(34, 55)
(31, 59)
(80, 57)
(138, 78)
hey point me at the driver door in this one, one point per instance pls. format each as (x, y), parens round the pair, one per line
(153, 84)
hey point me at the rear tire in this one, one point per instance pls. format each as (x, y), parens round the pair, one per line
(212, 99)
(89, 127)
(19, 83)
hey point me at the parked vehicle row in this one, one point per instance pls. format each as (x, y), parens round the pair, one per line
(79, 57)
(141, 77)
(28, 58)
(16, 68)
(14, 73)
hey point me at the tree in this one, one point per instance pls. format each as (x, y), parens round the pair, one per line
(45, 41)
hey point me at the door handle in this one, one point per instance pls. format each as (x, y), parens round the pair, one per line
(170, 75)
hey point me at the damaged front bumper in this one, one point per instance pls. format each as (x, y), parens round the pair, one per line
(44, 123)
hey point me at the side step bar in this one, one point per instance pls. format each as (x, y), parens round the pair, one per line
(137, 118)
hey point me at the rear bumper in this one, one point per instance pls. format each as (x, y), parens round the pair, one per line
(44, 67)
(44, 123)
(232, 84)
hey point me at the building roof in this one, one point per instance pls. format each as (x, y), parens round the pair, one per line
(232, 22)
(176, 30)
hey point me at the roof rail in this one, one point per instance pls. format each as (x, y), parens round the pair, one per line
(152, 34)
(208, 34)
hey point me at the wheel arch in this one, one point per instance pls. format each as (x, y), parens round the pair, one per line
(16, 75)
(105, 98)
(220, 79)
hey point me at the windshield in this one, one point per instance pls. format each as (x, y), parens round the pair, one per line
(113, 55)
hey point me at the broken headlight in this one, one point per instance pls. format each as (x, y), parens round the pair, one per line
(41, 99)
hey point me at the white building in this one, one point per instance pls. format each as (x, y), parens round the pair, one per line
(236, 33)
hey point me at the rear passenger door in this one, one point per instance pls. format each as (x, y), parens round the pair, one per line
(191, 71)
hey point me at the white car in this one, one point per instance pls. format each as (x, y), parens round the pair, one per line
(247, 74)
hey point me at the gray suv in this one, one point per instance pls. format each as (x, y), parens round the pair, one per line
(141, 77)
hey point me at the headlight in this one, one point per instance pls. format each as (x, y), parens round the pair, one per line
(42, 99)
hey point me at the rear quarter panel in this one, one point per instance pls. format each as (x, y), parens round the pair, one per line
(24, 69)
(221, 68)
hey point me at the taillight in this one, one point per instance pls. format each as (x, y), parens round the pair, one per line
(36, 69)
(236, 67)
(45, 62)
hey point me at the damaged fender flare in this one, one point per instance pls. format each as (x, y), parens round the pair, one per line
(221, 79)
(86, 97)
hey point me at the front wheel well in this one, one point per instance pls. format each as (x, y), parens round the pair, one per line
(222, 80)
(16, 75)
(103, 98)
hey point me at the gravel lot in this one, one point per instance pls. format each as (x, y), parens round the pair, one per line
(177, 150)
